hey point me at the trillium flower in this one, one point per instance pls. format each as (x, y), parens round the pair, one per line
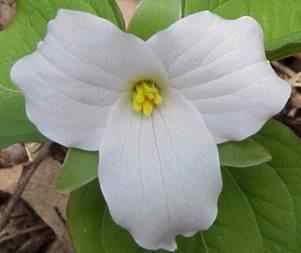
(155, 110)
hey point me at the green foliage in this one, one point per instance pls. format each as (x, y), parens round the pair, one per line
(259, 210)
(286, 152)
(85, 211)
(80, 168)
(14, 125)
(109, 10)
(236, 229)
(21, 38)
(272, 205)
(153, 16)
(281, 20)
(246, 153)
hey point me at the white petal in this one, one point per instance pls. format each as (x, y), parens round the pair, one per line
(173, 42)
(222, 69)
(160, 176)
(104, 51)
(77, 73)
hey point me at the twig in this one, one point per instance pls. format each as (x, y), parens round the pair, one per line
(65, 238)
(59, 215)
(12, 156)
(286, 70)
(294, 77)
(23, 232)
(28, 171)
(32, 149)
(36, 243)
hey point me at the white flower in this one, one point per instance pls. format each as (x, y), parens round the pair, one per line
(155, 109)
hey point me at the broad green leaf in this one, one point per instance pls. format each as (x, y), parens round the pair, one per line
(92, 228)
(281, 20)
(44, 10)
(80, 168)
(154, 15)
(20, 39)
(236, 229)
(222, 237)
(115, 239)
(259, 209)
(285, 148)
(14, 125)
(109, 9)
(243, 154)
(85, 211)
(272, 204)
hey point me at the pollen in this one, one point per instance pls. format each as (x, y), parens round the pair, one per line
(146, 97)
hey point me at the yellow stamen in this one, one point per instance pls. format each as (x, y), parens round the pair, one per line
(137, 107)
(146, 97)
(150, 95)
(139, 98)
(158, 99)
(148, 108)
(139, 89)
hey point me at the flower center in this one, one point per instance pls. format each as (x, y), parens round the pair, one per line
(146, 97)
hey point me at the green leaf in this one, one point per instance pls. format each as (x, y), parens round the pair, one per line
(272, 205)
(14, 126)
(256, 215)
(41, 12)
(235, 230)
(93, 230)
(85, 211)
(280, 20)
(109, 10)
(154, 15)
(243, 154)
(236, 220)
(222, 237)
(259, 209)
(285, 148)
(20, 39)
(80, 168)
